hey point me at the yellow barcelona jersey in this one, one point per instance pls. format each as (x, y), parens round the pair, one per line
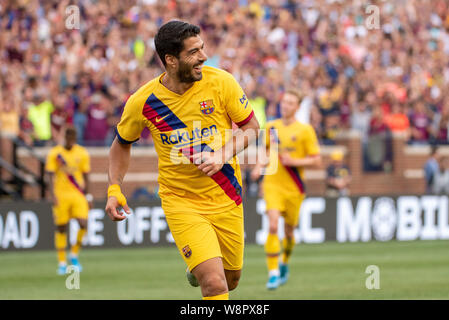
(198, 120)
(298, 140)
(68, 167)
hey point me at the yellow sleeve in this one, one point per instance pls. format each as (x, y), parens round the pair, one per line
(236, 102)
(311, 142)
(132, 121)
(85, 162)
(51, 164)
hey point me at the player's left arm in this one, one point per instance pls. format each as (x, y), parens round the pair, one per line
(241, 138)
(240, 112)
(211, 163)
(312, 148)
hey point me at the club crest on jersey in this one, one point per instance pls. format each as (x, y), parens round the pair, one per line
(187, 251)
(238, 191)
(207, 106)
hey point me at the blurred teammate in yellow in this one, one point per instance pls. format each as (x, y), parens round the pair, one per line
(68, 166)
(284, 191)
(189, 110)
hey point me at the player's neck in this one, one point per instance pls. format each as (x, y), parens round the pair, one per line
(289, 120)
(171, 82)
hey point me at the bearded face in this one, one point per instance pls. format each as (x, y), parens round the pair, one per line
(190, 72)
(190, 61)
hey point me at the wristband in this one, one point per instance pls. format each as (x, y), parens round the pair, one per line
(114, 191)
(89, 197)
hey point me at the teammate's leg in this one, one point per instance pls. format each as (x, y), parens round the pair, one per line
(287, 243)
(61, 247)
(75, 250)
(79, 211)
(291, 219)
(61, 219)
(272, 249)
(287, 246)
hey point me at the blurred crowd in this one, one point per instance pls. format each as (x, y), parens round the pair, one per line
(387, 77)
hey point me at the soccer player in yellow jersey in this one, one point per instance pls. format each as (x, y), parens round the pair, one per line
(189, 110)
(284, 191)
(68, 166)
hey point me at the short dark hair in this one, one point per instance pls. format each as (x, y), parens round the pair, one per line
(70, 131)
(169, 39)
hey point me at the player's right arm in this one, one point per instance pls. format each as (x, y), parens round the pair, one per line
(119, 156)
(128, 131)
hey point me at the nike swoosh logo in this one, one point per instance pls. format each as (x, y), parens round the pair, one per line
(159, 119)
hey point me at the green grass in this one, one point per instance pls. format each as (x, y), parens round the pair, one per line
(408, 270)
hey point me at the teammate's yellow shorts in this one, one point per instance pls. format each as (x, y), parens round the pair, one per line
(73, 207)
(200, 237)
(288, 203)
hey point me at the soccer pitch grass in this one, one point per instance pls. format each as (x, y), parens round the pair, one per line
(408, 270)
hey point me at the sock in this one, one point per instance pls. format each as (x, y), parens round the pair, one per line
(287, 244)
(272, 250)
(274, 272)
(79, 239)
(61, 245)
(223, 296)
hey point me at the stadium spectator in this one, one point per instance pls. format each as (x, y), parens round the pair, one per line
(9, 117)
(361, 119)
(97, 127)
(338, 176)
(60, 117)
(431, 169)
(39, 113)
(420, 123)
(440, 125)
(258, 102)
(440, 183)
(379, 153)
(397, 120)
(304, 113)
(26, 127)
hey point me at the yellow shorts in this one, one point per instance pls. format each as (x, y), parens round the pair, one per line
(288, 204)
(73, 207)
(200, 237)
